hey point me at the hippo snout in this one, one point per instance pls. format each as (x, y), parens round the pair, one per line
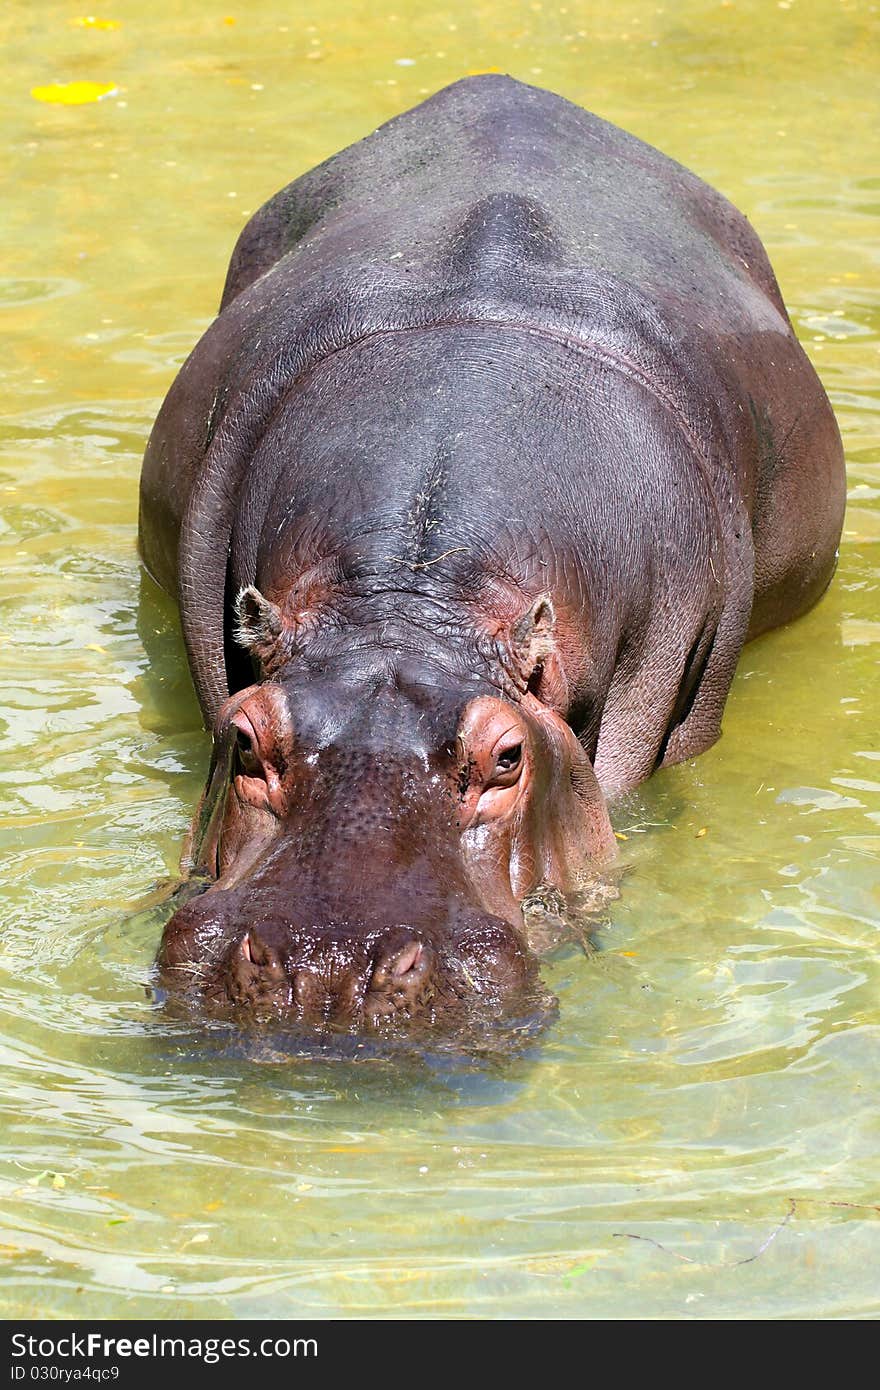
(332, 981)
(344, 978)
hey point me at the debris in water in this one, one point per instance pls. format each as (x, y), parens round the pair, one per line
(73, 93)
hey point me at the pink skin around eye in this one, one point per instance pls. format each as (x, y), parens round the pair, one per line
(247, 739)
(513, 741)
(494, 790)
(261, 786)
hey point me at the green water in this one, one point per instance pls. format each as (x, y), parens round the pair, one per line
(712, 1074)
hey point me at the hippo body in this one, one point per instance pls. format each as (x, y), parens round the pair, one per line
(502, 440)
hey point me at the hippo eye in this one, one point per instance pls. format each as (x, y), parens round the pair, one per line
(509, 759)
(245, 754)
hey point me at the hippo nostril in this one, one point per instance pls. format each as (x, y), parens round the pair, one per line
(405, 965)
(255, 975)
(253, 950)
(408, 959)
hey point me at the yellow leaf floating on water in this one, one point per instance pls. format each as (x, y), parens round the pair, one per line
(704, 830)
(73, 93)
(94, 647)
(58, 1182)
(90, 21)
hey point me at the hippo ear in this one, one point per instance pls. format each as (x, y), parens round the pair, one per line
(531, 636)
(258, 621)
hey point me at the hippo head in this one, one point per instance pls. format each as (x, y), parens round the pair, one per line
(371, 825)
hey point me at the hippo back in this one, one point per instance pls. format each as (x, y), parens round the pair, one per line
(493, 202)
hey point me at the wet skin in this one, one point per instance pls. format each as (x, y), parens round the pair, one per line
(471, 495)
(308, 773)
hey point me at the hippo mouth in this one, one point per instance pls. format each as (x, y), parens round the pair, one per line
(389, 981)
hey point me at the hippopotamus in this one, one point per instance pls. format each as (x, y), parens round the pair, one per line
(499, 449)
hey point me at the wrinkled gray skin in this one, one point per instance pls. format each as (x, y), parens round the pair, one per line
(499, 450)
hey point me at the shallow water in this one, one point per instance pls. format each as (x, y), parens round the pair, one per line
(697, 1135)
